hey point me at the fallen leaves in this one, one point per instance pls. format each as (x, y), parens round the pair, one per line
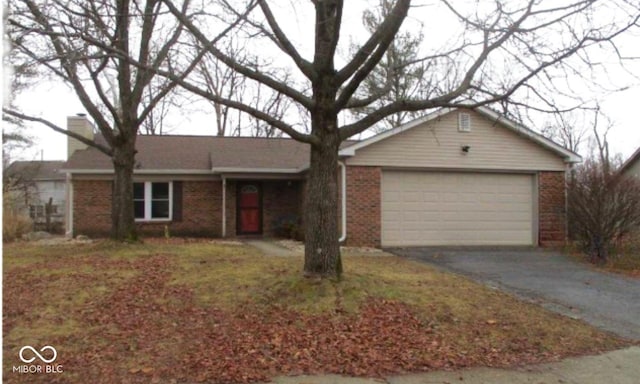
(147, 329)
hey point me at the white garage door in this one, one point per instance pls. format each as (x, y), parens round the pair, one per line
(434, 208)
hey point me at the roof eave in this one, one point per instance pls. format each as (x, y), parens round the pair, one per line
(632, 159)
(213, 171)
(256, 170)
(569, 156)
(139, 171)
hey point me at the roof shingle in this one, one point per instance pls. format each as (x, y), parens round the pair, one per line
(36, 170)
(202, 153)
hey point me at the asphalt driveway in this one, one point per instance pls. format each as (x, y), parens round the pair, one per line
(608, 301)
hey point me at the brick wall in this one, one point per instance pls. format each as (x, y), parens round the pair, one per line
(92, 207)
(552, 216)
(230, 210)
(280, 203)
(363, 206)
(201, 210)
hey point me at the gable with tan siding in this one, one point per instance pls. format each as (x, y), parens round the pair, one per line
(634, 169)
(437, 144)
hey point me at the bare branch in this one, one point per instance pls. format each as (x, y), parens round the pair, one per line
(387, 29)
(232, 63)
(107, 151)
(285, 43)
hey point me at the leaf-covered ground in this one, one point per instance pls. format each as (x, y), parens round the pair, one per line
(210, 312)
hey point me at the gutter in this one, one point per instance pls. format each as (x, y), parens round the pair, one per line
(254, 170)
(140, 171)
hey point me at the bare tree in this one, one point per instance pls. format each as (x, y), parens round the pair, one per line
(14, 139)
(90, 45)
(270, 102)
(225, 83)
(399, 75)
(570, 131)
(156, 121)
(519, 37)
(603, 206)
(601, 141)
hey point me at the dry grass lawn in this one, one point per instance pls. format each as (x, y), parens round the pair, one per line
(211, 312)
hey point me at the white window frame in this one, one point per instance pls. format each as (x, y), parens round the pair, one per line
(148, 201)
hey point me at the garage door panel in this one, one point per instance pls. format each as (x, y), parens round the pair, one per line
(464, 226)
(391, 196)
(438, 208)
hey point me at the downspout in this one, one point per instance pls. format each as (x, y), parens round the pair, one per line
(568, 173)
(69, 197)
(224, 206)
(343, 191)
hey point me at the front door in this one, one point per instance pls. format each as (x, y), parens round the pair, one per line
(249, 209)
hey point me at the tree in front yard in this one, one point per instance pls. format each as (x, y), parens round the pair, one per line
(495, 50)
(89, 45)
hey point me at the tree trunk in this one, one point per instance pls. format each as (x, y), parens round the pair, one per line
(123, 226)
(322, 249)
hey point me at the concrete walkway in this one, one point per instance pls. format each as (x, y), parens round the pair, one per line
(270, 248)
(617, 367)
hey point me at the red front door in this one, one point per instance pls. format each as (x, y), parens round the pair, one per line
(249, 210)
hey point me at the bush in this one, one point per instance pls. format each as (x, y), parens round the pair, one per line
(14, 226)
(288, 227)
(603, 207)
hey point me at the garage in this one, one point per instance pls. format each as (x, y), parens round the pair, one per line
(457, 208)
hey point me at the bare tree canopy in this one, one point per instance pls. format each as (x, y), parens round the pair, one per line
(90, 45)
(222, 81)
(513, 53)
(399, 74)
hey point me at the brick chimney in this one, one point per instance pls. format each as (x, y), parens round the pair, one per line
(81, 125)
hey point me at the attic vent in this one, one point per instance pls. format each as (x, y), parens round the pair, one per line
(464, 122)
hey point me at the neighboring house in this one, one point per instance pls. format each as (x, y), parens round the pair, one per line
(32, 184)
(453, 177)
(631, 167)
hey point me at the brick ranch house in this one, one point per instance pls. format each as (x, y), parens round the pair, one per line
(453, 177)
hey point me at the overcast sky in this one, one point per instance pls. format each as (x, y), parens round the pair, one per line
(55, 101)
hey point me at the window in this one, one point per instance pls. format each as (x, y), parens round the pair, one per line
(152, 201)
(464, 122)
(36, 211)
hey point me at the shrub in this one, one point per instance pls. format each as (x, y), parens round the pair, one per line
(14, 222)
(603, 207)
(288, 227)
(14, 226)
